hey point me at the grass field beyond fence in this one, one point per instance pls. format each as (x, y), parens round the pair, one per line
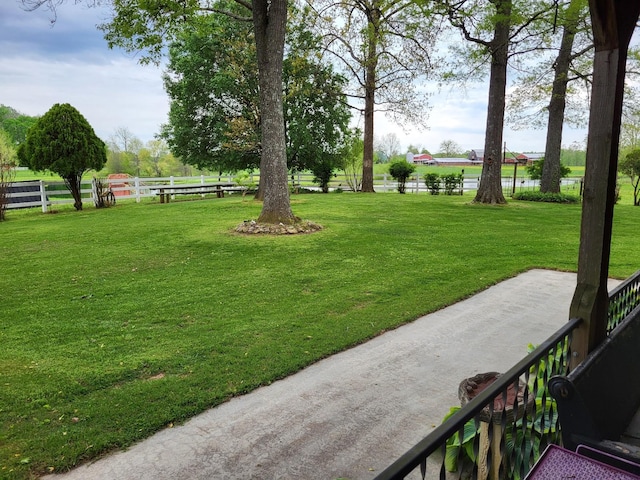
(119, 322)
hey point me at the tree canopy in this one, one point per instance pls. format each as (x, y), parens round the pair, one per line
(383, 47)
(214, 119)
(15, 123)
(62, 141)
(212, 83)
(148, 27)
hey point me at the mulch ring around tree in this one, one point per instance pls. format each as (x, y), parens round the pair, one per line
(251, 227)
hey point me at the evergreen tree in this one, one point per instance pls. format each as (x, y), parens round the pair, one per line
(62, 141)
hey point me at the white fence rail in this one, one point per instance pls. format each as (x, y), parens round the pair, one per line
(44, 193)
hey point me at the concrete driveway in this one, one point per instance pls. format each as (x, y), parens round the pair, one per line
(351, 415)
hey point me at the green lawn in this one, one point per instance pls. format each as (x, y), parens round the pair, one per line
(119, 322)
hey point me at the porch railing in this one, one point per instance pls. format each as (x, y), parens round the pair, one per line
(623, 299)
(479, 441)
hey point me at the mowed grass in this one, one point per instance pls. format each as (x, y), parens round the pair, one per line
(119, 322)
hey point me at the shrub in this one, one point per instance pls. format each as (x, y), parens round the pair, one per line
(452, 182)
(432, 181)
(401, 170)
(535, 170)
(537, 196)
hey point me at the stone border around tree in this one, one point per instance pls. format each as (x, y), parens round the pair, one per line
(251, 227)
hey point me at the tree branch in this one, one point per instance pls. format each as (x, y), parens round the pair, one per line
(240, 18)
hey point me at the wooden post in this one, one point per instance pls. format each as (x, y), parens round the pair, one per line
(613, 22)
(136, 183)
(483, 451)
(43, 196)
(489, 452)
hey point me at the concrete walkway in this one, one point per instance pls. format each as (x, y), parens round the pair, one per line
(351, 415)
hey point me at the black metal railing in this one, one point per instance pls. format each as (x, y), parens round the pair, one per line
(479, 441)
(622, 300)
(482, 439)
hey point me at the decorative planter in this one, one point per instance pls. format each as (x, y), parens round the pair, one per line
(504, 411)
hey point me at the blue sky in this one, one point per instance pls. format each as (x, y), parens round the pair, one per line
(70, 62)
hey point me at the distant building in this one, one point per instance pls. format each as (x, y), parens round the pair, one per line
(526, 158)
(419, 158)
(476, 155)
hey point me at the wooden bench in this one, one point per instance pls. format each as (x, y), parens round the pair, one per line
(219, 188)
(599, 401)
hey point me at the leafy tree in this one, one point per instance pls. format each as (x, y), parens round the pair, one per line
(539, 101)
(536, 169)
(389, 145)
(149, 26)
(575, 14)
(383, 47)
(450, 148)
(116, 161)
(417, 149)
(630, 165)
(7, 172)
(316, 118)
(352, 160)
(123, 155)
(157, 150)
(214, 119)
(630, 128)
(401, 170)
(212, 81)
(62, 141)
(575, 155)
(497, 31)
(15, 124)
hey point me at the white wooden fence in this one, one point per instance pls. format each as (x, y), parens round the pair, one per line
(50, 193)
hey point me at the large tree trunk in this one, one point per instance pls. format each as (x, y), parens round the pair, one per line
(269, 21)
(490, 188)
(550, 181)
(367, 155)
(369, 102)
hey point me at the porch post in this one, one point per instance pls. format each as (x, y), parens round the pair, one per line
(613, 22)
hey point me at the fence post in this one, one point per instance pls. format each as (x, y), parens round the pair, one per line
(43, 196)
(94, 192)
(136, 185)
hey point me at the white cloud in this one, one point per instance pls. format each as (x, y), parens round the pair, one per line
(118, 93)
(70, 62)
(460, 115)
